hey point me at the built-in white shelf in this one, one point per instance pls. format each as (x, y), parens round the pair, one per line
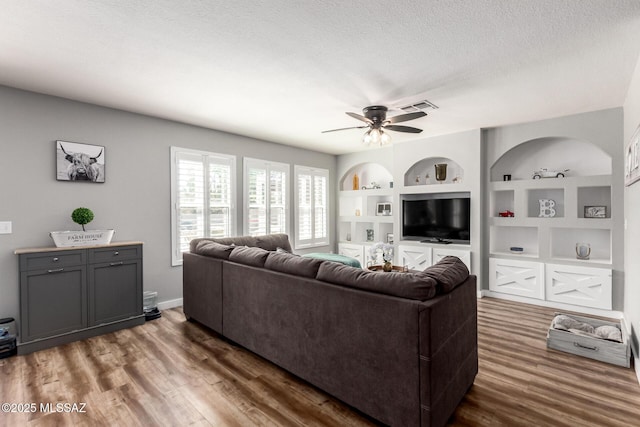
(549, 240)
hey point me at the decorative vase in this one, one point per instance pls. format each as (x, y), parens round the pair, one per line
(356, 182)
(387, 266)
(583, 250)
(441, 172)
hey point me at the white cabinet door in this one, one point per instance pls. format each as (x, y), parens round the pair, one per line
(522, 278)
(414, 257)
(465, 256)
(352, 250)
(586, 286)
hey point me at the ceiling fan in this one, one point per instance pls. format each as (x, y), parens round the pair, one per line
(376, 119)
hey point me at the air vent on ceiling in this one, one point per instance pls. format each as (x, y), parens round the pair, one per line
(418, 106)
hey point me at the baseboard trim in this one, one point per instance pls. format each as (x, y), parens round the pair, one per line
(165, 305)
(613, 314)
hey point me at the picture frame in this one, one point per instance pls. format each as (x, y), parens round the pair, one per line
(390, 238)
(595, 211)
(383, 209)
(632, 159)
(77, 162)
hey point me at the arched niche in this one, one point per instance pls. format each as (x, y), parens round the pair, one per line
(417, 174)
(368, 173)
(582, 158)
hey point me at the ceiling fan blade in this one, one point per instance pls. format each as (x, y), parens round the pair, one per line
(353, 127)
(402, 129)
(359, 117)
(406, 117)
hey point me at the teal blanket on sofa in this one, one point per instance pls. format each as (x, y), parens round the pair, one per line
(335, 257)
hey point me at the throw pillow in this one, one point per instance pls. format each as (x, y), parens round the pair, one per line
(213, 249)
(249, 256)
(293, 264)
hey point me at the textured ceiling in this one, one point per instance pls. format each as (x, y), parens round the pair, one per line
(284, 71)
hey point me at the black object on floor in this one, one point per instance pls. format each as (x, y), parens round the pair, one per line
(154, 313)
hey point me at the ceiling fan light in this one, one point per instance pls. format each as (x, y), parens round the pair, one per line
(366, 139)
(385, 139)
(375, 135)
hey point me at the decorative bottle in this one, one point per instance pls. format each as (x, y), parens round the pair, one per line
(356, 182)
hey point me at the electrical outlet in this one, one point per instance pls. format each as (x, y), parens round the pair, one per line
(5, 227)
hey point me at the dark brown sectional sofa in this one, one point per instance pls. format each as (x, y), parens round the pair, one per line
(400, 347)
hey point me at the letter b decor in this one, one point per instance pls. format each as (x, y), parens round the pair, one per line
(547, 208)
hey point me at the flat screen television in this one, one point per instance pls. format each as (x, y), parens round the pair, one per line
(443, 219)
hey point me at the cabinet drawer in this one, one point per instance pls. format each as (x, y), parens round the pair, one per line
(52, 260)
(114, 254)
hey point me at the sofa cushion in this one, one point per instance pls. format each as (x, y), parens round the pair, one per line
(406, 285)
(230, 241)
(449, 272)
(293, 264)
(255, 257)
(272, 242)
(213, 249)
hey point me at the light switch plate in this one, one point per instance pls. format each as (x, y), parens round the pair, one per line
(5, 227)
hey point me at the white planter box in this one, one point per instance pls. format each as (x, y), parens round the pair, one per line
(65, 239)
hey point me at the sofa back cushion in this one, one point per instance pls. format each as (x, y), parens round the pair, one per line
(269, 242)
(213, 249)
(405, 285)
(449, 272)
(293, 264)
(255, 257)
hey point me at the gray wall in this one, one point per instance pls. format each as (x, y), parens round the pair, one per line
(632, 224)
(135, 200)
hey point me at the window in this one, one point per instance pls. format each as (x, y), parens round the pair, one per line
(202, 197)
(312, 207)
(266, 197)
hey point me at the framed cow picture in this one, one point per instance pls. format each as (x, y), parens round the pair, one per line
(79, 162)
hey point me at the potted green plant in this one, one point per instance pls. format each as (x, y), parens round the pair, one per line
(82, 216)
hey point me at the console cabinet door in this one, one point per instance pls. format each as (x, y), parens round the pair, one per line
(585, 286)
(414, 257)
(465, 256)
(515, 277)
(115, 291)
(52, 302)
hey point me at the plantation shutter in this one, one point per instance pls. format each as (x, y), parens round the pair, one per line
(305, 219)
(278, 201)
(202, 195)
(312, 203)
(266, 197)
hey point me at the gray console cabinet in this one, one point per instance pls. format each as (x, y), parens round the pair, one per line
(67, 294)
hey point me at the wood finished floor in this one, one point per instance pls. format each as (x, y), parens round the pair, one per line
(178, 373)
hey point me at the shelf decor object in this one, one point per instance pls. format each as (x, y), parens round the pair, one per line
(547, 208)
(441, 172)
(356, 182)
(369, 235)
(595, 211)
(383, 209)
(583, 251)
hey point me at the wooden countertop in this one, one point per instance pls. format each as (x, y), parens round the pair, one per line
(72, 248)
